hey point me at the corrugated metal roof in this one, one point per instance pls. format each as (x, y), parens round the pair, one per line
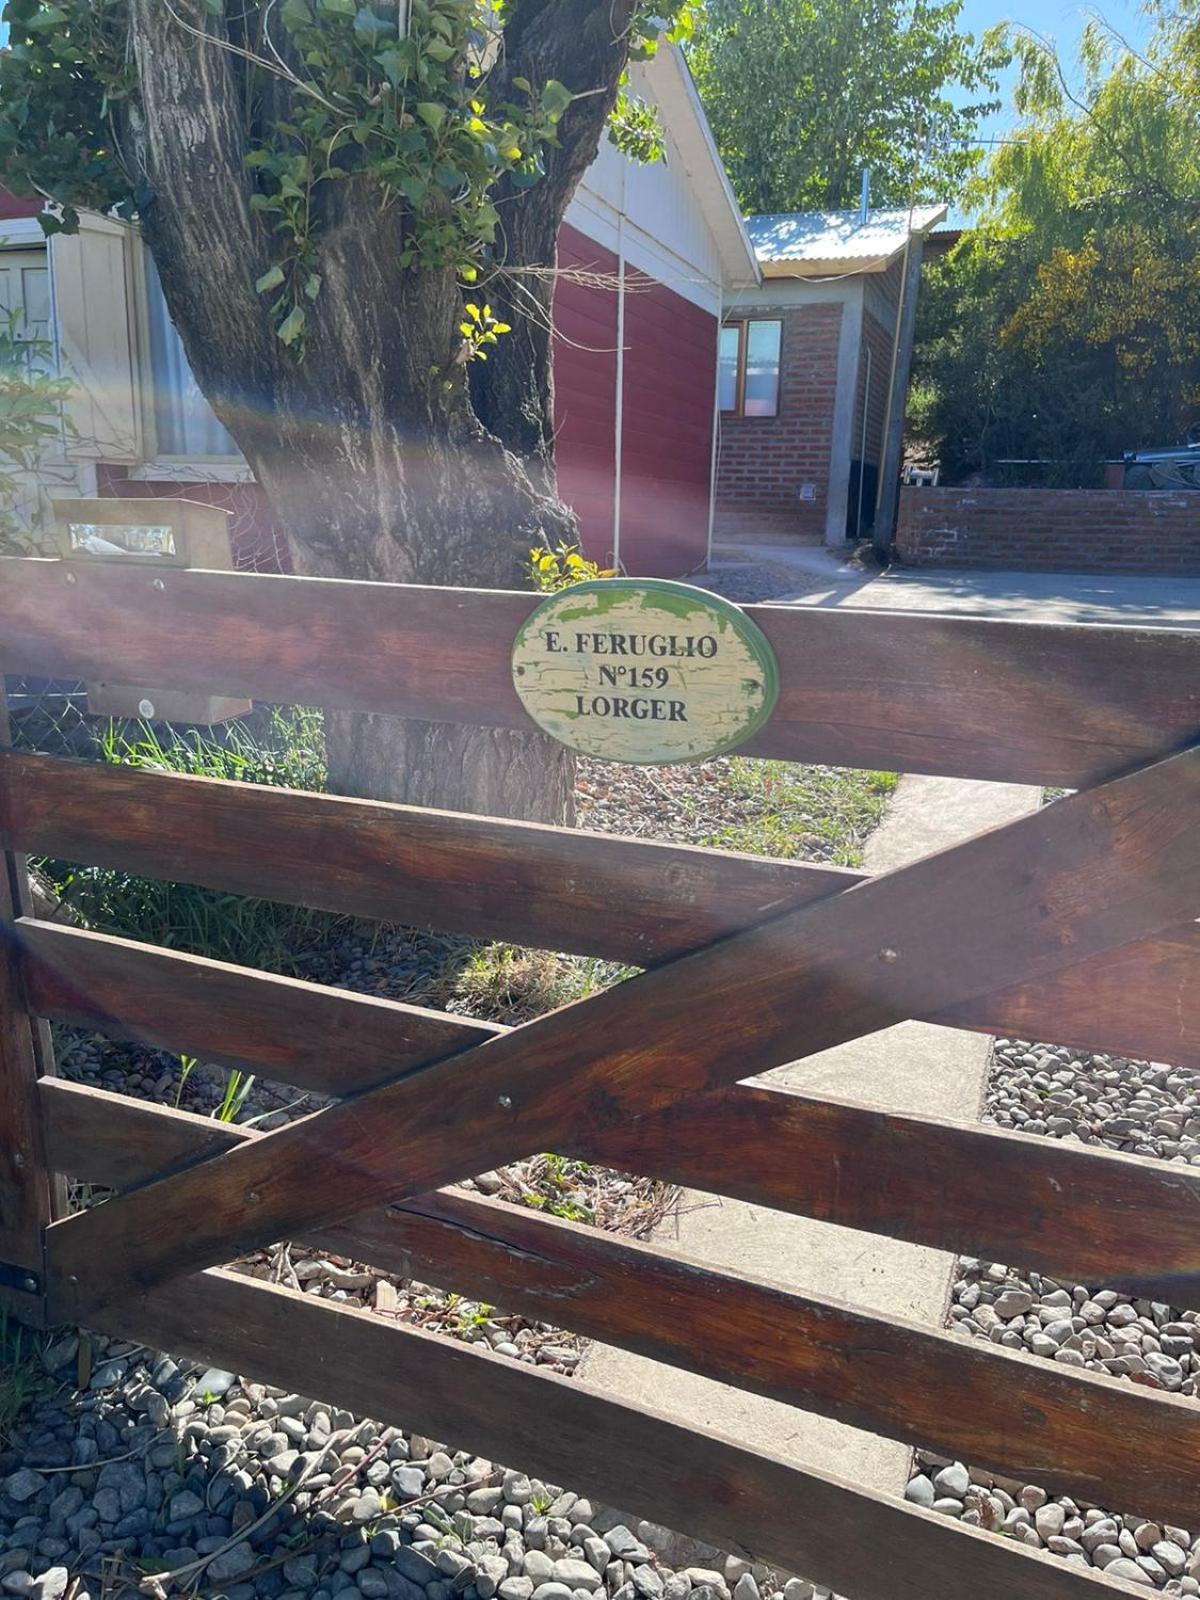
(811, 239)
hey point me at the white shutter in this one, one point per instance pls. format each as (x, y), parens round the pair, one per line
(91, 273)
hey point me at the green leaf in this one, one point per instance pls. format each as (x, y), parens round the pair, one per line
(432, 114)
(47, 17)
(292, 325)
(312, 285)
(271, 279)
(395, 68)
(368, 25)
(556, 97)
(439, 50)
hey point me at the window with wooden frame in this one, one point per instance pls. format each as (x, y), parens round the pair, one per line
(748, 367)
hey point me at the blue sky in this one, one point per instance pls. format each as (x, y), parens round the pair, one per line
(1060, 20)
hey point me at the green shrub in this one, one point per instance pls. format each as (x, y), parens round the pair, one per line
(274, 747)
(32, 418)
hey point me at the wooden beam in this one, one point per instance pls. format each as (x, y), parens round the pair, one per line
(688, 1478)
(1088, 874)
(1087, 1215)
(1098, 1439)
(332, 1041)
(1016, 701)
(554, 888)
(1141, 999)
(27, 1194)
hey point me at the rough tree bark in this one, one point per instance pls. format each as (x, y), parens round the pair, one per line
(375, 466)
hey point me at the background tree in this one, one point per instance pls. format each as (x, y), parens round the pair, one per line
(803, 94)
(1065, 328)
(349, 205)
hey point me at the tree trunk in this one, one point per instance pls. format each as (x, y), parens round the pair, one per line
(485, 770)
(401, 504)
(377, 460)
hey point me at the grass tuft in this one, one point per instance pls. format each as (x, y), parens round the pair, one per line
(23, 1378)
(282, 749)
(807, 813)
(506, 983)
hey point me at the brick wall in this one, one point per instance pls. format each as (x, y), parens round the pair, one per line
(1055, 530)
(765, 461)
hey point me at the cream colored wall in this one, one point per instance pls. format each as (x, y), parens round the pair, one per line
(91, 273)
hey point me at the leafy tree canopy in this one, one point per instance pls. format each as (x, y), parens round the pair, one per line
(1066, 327)
(803, 94)
(399, 97)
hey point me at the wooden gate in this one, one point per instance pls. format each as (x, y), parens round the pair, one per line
(1075, 924)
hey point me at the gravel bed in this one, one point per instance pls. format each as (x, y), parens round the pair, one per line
(751, 582)
(583, 1192)
(166, 1478)
(1135, 1106)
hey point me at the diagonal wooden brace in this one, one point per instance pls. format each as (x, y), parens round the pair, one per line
(1098, 870)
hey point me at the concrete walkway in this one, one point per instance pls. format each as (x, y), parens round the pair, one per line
(913, 1067)
(825, 579)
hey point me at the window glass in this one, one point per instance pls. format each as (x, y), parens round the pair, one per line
(762, 369)
(25, 303)
(184, 424)
(727, 366)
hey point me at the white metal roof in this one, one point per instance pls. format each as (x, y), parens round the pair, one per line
(813, 243)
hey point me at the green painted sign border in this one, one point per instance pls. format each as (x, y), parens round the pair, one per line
(748, 631)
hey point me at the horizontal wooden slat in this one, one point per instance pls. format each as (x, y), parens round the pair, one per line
(1023, 702)
(736, 1498)
(1080, 1214)
(1097, 1438)
(1143, 999)
(1091, 873)
(103, 1138)
(332, 1041)
(1097, 1217)
(1087, 1215)
(843, 1163)
(554, 888)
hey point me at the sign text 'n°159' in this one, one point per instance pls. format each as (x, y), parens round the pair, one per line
(645, 671)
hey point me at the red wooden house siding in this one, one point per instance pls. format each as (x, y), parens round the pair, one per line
(667, 425)
(667, 428)
(585, 391)
(12, 206)
(667, 431)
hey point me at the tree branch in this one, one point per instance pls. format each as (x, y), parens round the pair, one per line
(584, 44)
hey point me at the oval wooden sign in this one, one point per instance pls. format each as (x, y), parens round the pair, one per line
(644, 671)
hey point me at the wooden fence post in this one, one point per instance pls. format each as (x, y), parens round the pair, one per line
(29, 1196)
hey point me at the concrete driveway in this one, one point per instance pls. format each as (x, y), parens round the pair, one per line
(823, 579)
